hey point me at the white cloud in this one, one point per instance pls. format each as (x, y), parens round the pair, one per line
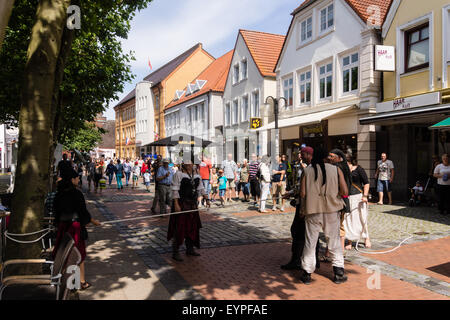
(167, 28)
(162, 37)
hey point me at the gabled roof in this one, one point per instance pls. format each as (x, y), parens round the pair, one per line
(265, 49)
(128, 97)
(215, 75)
(359, 6)
(163, 72)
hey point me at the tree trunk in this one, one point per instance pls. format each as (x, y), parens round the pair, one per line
(35, 126)
(6, 7)
(66, 46)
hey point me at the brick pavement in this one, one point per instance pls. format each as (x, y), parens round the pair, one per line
(240, 230)
(251, 272)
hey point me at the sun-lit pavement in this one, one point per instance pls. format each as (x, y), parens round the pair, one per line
(242, 251)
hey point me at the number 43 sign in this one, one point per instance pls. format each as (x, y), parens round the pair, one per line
(255, 123)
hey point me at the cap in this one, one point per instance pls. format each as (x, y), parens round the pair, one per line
(308, 150)
(187, 161)
(166, 160)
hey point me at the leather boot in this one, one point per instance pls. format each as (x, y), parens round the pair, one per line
(190, 249)
(175, 254)
(339, 276)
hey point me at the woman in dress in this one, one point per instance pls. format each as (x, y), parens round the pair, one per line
(72, 216)
(356, 222)
(186, 188)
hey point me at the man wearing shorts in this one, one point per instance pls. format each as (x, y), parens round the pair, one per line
(230, 172)
(279, 183)
(385, 176)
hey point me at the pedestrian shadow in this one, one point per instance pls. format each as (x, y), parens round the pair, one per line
(420, 213)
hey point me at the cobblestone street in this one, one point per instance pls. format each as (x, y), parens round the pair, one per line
(242, 250)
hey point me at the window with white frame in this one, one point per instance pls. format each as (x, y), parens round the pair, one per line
(326, 18)
(288, 90)
(417, 48)
(244, 68)
(306, 30)
(305, 87)
(325, 81)
(236, 73)
(255, 104)
(235, 111)
(245, 110)
(201, 112)
(227, 114)
(350, 72)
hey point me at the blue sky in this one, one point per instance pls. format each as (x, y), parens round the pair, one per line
(169, 27)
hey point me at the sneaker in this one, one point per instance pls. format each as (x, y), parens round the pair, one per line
(306, 277)
(274, 209)
(281, 209)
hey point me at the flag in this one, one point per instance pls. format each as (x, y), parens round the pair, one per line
(127, 141)
(149, 64)
(156, 136)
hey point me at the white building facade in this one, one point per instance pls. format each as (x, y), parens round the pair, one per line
(247, 87)
(326, 72)
(145, 115)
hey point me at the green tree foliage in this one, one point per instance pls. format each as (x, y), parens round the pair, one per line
(96, 69)
(84, 139)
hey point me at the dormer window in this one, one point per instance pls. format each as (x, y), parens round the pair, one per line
(200, 84)
(178, 94)
(190, 89)
(326, 18)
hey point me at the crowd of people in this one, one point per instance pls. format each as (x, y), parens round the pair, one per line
(329, 190)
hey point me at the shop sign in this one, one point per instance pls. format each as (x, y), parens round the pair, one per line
(384, 58)
(410, 102)
(255, 123)
(313, 131)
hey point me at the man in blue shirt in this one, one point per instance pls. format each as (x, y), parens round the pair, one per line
(279, 183)
(164, 177)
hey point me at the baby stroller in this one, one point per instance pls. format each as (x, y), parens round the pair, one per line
(419, 194)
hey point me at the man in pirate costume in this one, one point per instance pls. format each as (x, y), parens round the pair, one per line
(186, 187)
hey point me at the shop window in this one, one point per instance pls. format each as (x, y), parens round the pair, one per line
(417, 48)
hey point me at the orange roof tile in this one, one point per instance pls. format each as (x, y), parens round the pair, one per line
(215, 75)
(265, 49)
(359, 6)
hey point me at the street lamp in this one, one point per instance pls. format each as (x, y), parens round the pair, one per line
(275, 103)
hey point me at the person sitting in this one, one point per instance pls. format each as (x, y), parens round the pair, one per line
(416, 193)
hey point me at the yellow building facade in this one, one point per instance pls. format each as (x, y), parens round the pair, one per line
(416, 94)
(126, 130)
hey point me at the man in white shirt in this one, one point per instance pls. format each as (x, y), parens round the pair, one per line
(442, 173)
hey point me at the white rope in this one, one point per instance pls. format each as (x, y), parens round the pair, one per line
(150, 217)
(388, 251)
(29, 234)
(26, 242)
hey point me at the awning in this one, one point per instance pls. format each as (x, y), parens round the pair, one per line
(406, 114)
(310, 118)
(180, 139)
(444, 124)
